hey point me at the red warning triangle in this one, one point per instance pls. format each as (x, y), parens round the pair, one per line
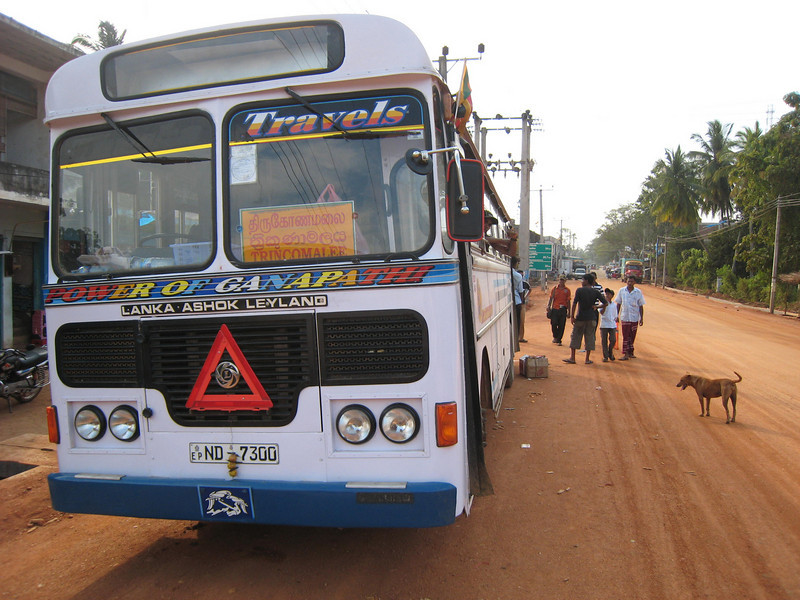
(199, 400)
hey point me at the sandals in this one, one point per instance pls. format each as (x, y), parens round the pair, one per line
(569, 361)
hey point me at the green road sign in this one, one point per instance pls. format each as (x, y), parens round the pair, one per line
(541, 257)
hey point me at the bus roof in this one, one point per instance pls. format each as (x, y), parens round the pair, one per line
(375, 46)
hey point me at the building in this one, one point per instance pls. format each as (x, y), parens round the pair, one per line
(27, 61)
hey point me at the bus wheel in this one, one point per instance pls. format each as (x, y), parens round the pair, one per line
(486, 400)
(510, 375)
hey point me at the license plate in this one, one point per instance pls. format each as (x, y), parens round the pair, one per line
(247, 454)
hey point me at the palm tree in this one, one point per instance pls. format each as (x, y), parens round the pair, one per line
(747, 136)
(107, 36)
(674, 189)
(715, 161)
(746, 143)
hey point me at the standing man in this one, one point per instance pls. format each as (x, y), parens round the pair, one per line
(516, 283)
(526, 292)
(557, 308)
(600, 289)
(584, 319)
(630, 302)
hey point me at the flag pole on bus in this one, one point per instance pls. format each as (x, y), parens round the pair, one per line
(463, 101)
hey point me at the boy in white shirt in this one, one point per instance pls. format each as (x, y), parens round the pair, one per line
(608, 326)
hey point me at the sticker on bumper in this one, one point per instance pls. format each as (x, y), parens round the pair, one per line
(226, 504)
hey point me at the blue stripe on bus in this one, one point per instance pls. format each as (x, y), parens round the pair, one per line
(427, 504)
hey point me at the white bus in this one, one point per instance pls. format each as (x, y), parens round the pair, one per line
(269, 299)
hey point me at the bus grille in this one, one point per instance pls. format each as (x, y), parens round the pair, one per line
(97, 355)
(279, 350)
(373, 347)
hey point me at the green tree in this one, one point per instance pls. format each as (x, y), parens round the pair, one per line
(765, 171)
(714, 162)
(674, 189)
(747, 137)
(107, 36)
(761, 169)
(695, 270)
(625, 227)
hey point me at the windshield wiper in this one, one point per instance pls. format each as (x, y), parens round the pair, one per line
(322, 116)
(348, 135)
(148, 156)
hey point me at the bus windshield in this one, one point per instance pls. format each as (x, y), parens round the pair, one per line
(135, 197)
(327, 181)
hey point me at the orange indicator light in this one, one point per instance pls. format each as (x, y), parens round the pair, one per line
(52, 425)
(446, 424)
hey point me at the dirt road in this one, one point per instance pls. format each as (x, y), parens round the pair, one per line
(624, 492)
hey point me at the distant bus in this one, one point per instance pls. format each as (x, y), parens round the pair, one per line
(635, 269)
(269, 296)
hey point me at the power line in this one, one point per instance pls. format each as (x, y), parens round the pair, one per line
(784, 201)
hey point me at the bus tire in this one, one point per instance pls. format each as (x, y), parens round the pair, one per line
(486, 400)
(510, 375)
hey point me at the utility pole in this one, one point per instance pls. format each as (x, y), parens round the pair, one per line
(525, 195)
(443, 60)
(522, 167)
(477, 123)
(774, 284)
(654, 266)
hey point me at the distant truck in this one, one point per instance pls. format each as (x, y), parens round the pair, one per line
(632, 267)
(565, 266)
(572, 267)
(578, 268)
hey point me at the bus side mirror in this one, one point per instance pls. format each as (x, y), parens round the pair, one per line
(465, 200)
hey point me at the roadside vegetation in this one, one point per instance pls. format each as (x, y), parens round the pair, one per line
(107, 36)
(742, 181)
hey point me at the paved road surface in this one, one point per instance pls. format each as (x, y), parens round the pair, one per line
(625, 492)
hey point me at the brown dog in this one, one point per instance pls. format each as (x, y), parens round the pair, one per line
(713, 388)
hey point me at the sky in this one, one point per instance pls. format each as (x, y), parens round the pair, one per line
(614, 84)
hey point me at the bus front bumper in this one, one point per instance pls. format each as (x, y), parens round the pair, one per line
(427, 504)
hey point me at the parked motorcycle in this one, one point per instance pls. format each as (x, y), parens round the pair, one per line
(23, 373)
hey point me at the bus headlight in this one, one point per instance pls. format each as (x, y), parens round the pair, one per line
(90, 423)
(124, 424)
(399, 423)
(355, 424)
